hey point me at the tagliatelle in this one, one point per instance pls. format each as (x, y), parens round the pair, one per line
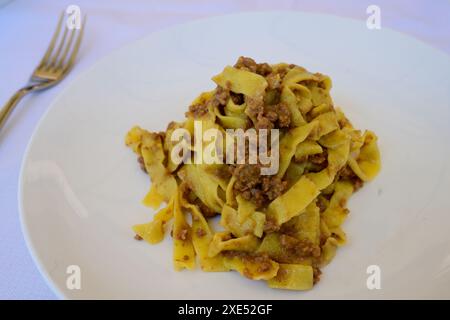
(282, 227)
(293, 277)
(293, 202)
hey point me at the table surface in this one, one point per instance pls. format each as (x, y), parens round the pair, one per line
(25, 30)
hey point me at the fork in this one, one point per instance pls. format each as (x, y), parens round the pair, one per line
(54, 66)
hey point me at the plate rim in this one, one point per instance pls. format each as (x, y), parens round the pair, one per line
(51, 283)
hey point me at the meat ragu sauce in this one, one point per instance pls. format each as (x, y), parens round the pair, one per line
(252, 186)
(272, 242)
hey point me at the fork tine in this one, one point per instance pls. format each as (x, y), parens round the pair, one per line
(52, 42)
(76, 46)
(54, 57)
(68, 45)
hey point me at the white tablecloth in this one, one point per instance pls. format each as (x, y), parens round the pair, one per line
(25, 29)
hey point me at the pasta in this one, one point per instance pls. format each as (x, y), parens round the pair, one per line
(281, 227)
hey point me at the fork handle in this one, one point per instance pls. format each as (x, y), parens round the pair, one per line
(11, 104)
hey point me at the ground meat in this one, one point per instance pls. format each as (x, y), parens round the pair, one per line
(316, 274)
(142, 163)
(347, 173)
(272, 116)
(319, 158)
(263, 122)
(321, 204)
(247, 176)
(254, 107)
(261, 260)
(273, 186)
(271, 226)
(197, 110)
(249, 64)
(322, 239)
(264, 267)
(185, 190)
(200, 232)
(357, 184)
(238, 98)
(246, 63)
(268, 116)
(278, 115)
(183, 234)
(256, 196)
(284, 115)
(253, 186)
(221, 95)
(138, 237)
(282, 274)
(289, 229)
(309, 83)
(263, 69)
(274, 80)
(295, 249)
(222, 172)
(254, 257)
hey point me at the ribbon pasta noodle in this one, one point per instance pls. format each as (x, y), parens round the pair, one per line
(281, 228)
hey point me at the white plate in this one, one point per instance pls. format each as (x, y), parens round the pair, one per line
(81, 188)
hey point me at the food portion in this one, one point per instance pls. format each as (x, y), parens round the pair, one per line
(282, 226)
